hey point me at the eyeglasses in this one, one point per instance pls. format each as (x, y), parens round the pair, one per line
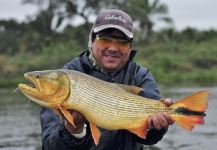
(106, 41)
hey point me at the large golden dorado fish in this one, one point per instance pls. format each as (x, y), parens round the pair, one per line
(108, 105)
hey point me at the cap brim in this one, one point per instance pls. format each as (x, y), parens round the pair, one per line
(125, 31)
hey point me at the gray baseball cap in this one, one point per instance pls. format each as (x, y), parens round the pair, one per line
(114, 18)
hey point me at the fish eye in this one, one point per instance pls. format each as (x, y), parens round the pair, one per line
(38, 76)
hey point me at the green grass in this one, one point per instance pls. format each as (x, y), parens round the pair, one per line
(172, 64)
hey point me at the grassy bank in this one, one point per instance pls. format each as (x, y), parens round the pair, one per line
(174, 63)
(51, 57)
(186, 63)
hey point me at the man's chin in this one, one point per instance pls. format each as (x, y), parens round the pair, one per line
(110, 68)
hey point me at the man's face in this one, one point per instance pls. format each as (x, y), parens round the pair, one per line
(112, 58)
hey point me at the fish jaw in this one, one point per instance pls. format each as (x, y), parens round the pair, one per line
(49, 88)
(31, 92)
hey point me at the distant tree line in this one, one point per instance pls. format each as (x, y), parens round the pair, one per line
(40, 30)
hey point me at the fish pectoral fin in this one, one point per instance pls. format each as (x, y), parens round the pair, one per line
(141, 131)
(129, 88)
(57, 112)
(68, 116)
(95, 133)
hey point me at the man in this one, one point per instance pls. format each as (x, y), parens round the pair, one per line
(109, 58)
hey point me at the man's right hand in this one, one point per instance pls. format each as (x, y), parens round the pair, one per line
(79, 120)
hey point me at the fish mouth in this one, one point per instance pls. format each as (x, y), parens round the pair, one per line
(31, 89)
(31, 85)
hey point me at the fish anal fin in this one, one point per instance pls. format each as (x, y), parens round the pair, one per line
(188, 122)
(95, 133)
(57, 112)
(129, 88)
(68, 116)
(141, 131)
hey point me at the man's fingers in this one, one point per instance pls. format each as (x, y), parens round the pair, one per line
(168, 101)
(156, 122)
(75, 114)
(150, 125)
(78, 117)
(160, 120)
(81, 117)
(168, 118)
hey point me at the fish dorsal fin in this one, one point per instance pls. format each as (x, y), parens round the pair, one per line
(129, 88)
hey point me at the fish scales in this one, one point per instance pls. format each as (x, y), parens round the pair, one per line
(118, 104)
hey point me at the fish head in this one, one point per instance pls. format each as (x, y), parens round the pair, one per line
(48, 88)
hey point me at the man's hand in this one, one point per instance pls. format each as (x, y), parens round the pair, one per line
(79, 120)
(161, 120)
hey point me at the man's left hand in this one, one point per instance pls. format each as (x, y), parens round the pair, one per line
(161, 120)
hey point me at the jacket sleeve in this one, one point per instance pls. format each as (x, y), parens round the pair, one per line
(151, 91)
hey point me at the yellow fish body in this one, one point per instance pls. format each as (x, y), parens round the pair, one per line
(108, 105)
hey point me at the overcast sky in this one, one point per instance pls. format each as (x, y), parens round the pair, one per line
(200, 14)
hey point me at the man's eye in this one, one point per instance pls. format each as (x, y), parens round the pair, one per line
(123, 42)
(105, 39)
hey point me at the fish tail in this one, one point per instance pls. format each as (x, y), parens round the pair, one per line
(190, 110)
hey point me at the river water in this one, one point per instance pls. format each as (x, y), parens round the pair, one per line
(20, 125)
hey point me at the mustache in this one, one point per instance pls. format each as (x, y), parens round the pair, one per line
(112, 53)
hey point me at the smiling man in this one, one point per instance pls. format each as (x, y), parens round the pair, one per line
(109, 58)
(106, 49)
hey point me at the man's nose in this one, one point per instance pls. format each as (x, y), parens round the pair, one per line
(113, 46)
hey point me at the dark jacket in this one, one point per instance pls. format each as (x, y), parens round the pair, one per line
(56, 137)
